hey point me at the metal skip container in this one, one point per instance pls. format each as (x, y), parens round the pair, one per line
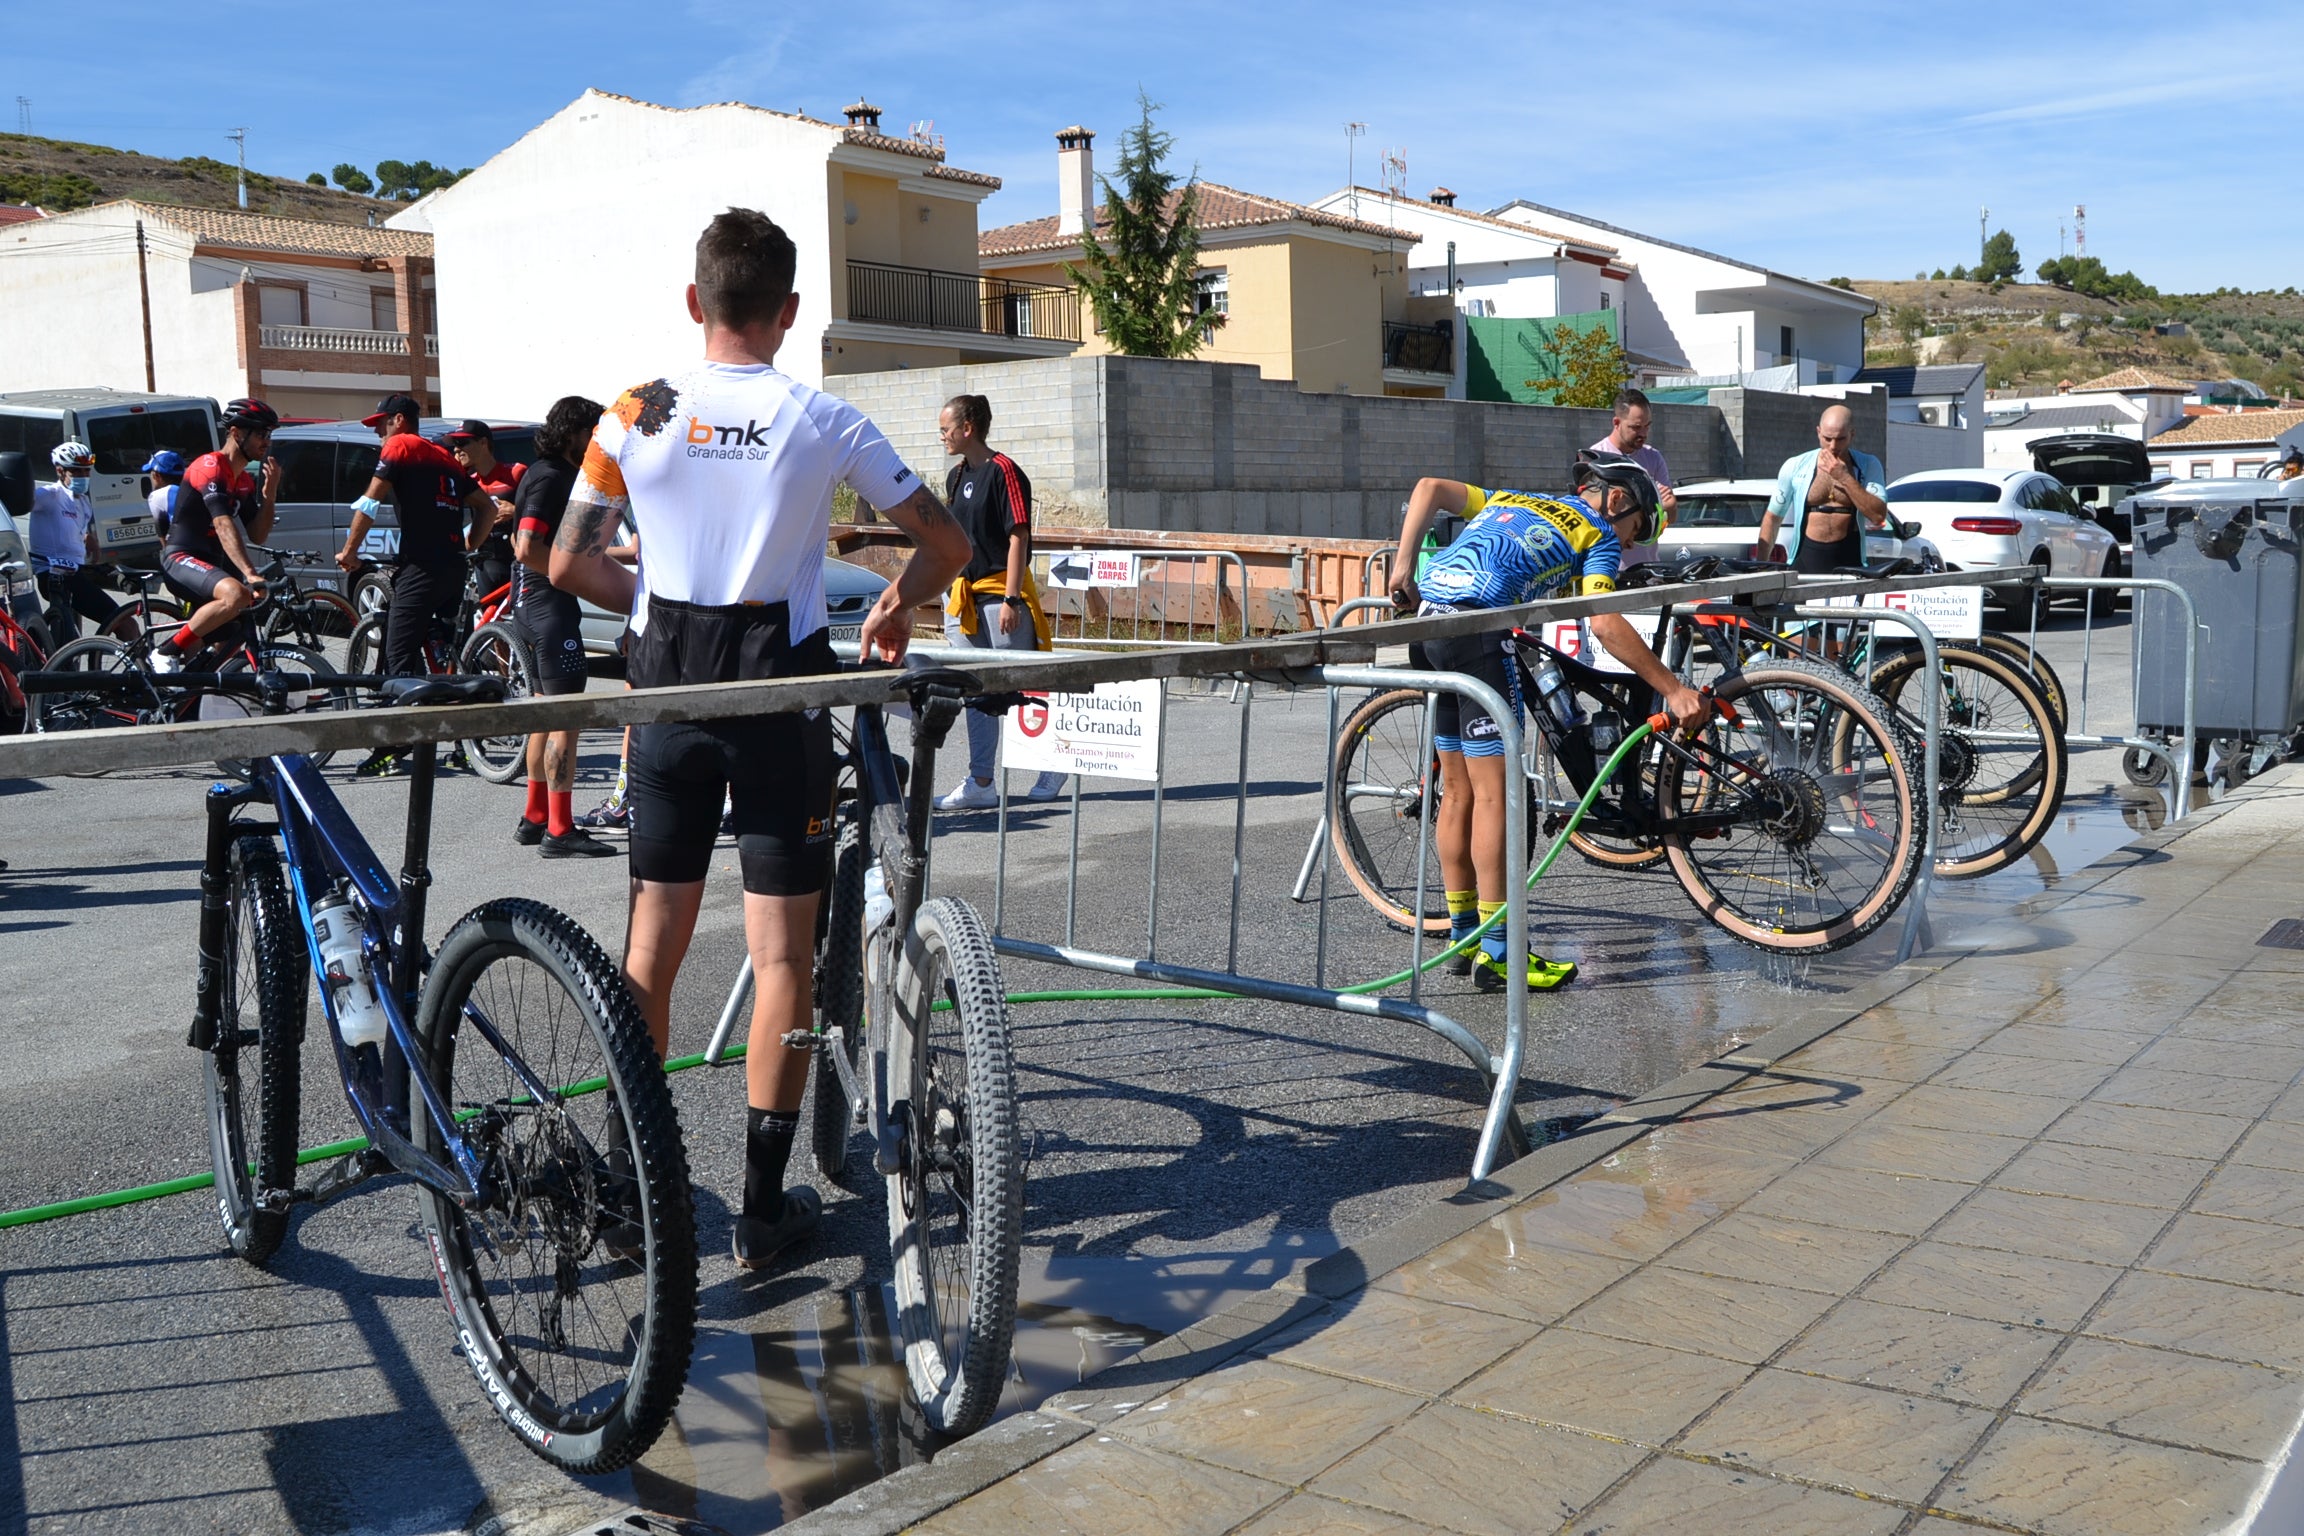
(2233, 545)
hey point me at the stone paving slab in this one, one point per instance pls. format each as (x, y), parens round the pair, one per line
(2013, 1240)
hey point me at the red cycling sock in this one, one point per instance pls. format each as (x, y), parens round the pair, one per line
(535, 811)
(186, 641)
(563, 818)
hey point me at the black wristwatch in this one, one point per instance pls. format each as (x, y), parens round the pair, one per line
(1016, 601)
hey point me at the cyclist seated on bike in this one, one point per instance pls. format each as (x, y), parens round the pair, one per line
(474, 446)
(1517, 546)
(727, 469)
(433, 494)
(220, 511)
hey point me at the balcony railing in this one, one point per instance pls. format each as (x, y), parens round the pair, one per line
(328, 338)
(1420, 348)
(961, 301)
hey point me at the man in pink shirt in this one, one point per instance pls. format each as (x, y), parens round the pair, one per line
(1628, 435)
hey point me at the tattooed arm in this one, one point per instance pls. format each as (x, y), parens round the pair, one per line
(939, 553)
(580, 559)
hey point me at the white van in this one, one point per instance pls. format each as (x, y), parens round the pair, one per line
(124, 430)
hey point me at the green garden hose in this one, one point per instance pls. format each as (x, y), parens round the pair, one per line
(84, 1203)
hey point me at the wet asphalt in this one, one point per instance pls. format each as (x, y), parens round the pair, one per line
(1179, 1152)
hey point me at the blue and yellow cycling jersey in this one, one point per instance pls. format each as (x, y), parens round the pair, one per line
(1520, 546)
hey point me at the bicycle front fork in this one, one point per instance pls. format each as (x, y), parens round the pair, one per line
(215, 897)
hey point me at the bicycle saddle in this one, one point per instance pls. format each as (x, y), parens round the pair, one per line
(442, 690)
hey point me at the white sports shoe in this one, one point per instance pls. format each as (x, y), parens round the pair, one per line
(1046, 787)
(968, 795)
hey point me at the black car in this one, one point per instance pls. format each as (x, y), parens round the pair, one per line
(2101, 471)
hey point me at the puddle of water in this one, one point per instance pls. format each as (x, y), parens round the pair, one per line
(784, 1420)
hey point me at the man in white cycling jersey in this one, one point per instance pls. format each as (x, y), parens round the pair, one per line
(726, 469)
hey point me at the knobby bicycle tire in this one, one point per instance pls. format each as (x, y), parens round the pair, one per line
(592, 1190)
(839, 1002)
(2027, 659)
(499, 650)
(260, 1021)
(1830, 844)
(956, 1203)
(364, 651)
(1995, 800)
(47, 713)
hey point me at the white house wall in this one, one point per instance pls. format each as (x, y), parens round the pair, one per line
(553, 281)
(68, 306)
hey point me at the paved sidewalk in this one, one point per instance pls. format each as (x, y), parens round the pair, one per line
(2015, 1241)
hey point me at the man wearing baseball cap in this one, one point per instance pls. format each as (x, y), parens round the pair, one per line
(165, 473)
(474, 445)
(433, 494)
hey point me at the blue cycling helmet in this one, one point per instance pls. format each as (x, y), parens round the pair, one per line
(166, 462)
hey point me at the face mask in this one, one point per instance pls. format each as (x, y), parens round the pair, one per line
(79, 485)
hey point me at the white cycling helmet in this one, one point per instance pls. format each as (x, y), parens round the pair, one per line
(73, 454)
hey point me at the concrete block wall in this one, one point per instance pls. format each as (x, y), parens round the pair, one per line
(1151, 443)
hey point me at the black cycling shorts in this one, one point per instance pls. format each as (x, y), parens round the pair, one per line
(1458, 724)
(552, 624)
(776, 771)
(424, 593)
(192, 578)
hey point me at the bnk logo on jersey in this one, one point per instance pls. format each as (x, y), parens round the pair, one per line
(749, 441)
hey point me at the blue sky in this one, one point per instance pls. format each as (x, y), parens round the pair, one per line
(1826, 140)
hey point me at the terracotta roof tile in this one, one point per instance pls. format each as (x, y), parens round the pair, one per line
(2229, 427)
(10, 214)
(2131, 378)
(268, 232)
(1216, 207)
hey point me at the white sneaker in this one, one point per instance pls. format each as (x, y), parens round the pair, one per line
(1046, 787)
(166, 658)
(968, 795)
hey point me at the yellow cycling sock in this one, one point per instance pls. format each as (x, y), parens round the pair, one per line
(1461, 902)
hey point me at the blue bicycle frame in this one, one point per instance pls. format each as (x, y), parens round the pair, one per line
(323, 847)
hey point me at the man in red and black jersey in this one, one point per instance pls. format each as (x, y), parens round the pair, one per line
(219, 513)
(433, 494)
(474, 445)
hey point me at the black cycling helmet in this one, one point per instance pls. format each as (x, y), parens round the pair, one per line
(252, 414)
(1618, 470)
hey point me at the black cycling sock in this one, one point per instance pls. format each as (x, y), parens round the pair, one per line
(767, 1148)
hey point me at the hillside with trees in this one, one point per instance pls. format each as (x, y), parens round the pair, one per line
(60, 175)
(2080, 319)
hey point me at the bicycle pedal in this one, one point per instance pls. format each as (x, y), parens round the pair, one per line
(800, 1040)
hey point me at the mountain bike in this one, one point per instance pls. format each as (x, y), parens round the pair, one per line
(910, 1041)
(482, 639)
(1788, 819)
(508, 1074)
(124, 685)
(2001, 764)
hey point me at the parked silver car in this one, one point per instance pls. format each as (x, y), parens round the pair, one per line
(1722, 517)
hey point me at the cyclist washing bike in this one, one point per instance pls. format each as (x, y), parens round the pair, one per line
(727, 470)
(1517, 546)
(433, 494)
(220, 511)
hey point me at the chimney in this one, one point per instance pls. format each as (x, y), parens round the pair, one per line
(862, 114)
(1075, 180)
(1444, 197)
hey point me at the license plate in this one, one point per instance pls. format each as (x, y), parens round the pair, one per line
(847, 634)
(132, 533)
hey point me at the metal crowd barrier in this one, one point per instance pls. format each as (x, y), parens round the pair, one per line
(2076, 732)
(1325, 659)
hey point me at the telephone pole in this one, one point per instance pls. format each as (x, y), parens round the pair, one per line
(144, 292)
(239, 136)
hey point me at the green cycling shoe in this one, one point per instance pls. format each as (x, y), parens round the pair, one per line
(1543, 975)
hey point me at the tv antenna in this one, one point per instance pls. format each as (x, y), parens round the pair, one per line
(1396, 172)
(1352, 132)
(239, 136)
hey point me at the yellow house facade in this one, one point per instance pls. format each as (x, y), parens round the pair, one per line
(1301, 291)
